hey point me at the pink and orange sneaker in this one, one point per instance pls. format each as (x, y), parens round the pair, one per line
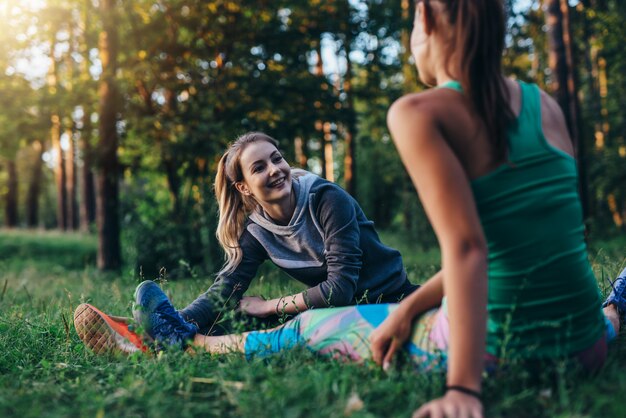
(102, 333)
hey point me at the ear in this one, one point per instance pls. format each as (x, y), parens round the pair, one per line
(425, 17)
(242, 188)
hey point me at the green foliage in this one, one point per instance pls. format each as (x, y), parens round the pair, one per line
(63, 251)
(46, 371)
(195, 75)
(158, 233)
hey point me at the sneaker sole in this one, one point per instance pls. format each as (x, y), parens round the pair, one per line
(102, 334)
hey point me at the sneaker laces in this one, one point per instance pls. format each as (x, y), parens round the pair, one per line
(617, 292)
(173, 326)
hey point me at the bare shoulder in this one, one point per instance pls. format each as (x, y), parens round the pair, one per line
(549, 107)
(430, 105)
(554, 125)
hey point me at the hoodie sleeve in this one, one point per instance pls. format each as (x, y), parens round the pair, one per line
(337, 218)
(228, 288)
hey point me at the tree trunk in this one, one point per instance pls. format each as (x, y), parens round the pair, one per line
(107, 218)
(561, 60)
(408, 69)
(299, 146)
(55, 137)
(70, 183)
(329, 164)
(168, 159)
(10, 209)
(87, 193)
(173, 181)
(88, 196)
(320, 125)
(70, 158)
(593, 103)
(59, 172)
(34, 187)
(349, 161)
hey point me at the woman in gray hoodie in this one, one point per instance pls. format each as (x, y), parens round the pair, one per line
(309, 227)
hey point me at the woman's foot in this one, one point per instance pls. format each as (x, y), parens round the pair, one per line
(617, 296)
(102, 333)
(615, 304)
(156, 315)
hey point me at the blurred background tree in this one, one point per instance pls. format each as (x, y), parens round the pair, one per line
(114, 114)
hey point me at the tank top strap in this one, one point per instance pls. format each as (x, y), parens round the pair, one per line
(525, 137)
(452, 84)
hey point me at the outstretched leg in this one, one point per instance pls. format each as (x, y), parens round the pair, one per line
(254, 343)
(341, 332)
(614, 307)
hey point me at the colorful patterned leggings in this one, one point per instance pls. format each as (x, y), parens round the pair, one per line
(344, 333)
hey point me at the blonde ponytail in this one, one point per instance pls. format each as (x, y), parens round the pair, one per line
(231, 217)
(234, 207)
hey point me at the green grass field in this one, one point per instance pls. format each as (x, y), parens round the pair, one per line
(45, 371)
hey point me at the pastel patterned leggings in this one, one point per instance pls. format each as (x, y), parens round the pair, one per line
(344, 332)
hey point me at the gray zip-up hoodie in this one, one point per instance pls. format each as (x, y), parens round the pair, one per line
(329, 245)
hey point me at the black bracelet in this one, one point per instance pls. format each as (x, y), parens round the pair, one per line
(466, 391)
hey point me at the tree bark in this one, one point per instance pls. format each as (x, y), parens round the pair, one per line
(59, 172)
(70, 158)
(349, 161)
(299, 146)
(593, 103)
(564, 83)
(560, 61)
(107, 189)
(329, 163)
(55, 138)
(88, 196)
(320, 125)
(70, 182)
(34, 187)
(408, 70)
(87, 210)
(409, 86)
(10, 209)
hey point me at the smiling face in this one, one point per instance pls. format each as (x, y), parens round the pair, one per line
(266, 174)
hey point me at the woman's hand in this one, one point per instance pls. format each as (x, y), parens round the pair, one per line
(389, 336)
(453, 404)
(256, 306)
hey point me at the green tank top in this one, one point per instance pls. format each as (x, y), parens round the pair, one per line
(543, 300)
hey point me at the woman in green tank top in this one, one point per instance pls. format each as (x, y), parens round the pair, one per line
(493, 164)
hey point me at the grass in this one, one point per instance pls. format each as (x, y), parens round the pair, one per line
(46, 371)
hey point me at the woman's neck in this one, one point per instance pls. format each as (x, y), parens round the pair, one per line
(281, 212)
(443, 76)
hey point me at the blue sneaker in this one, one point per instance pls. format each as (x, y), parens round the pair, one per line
(618, 294)
(154, 312)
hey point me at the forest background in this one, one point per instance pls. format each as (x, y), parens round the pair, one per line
(114, 114)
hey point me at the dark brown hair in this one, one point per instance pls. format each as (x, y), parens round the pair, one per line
(476, 47)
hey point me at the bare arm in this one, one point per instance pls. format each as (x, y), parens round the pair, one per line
(428, 296)
(396, 329)
(257, 306)
(446, 194)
